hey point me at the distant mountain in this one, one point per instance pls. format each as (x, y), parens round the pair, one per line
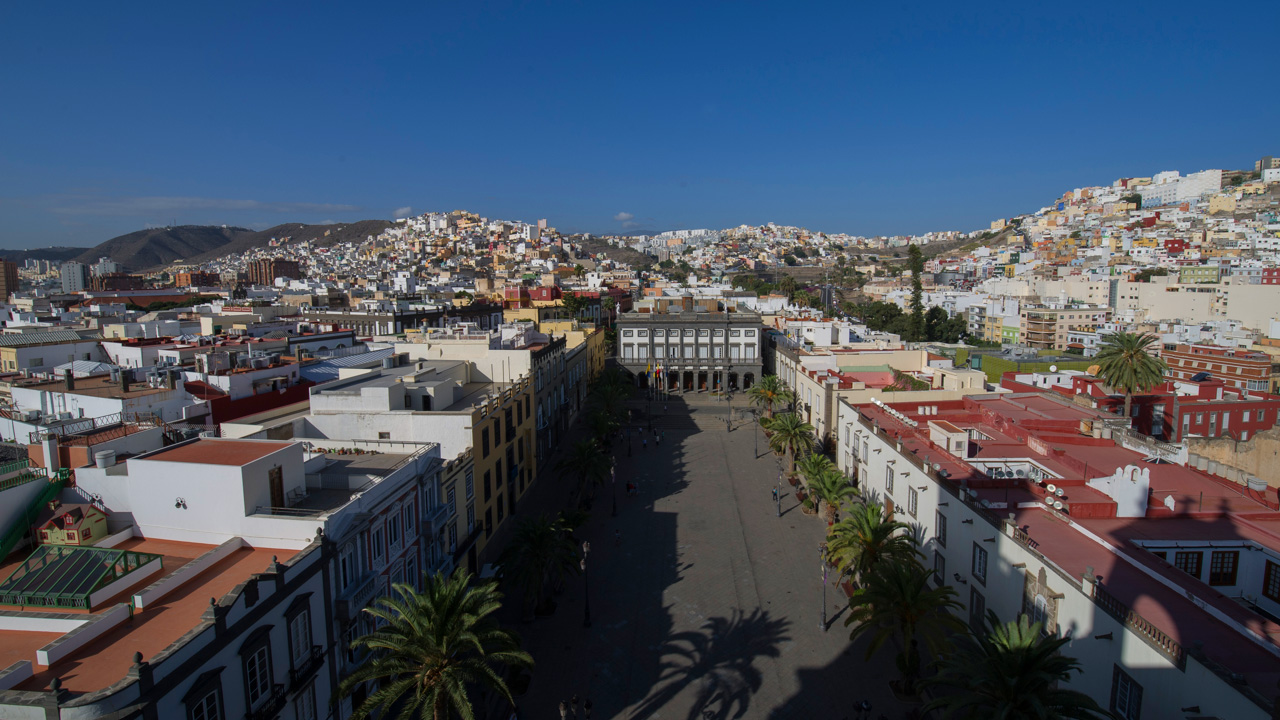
(52, 254)
(160, 246)
(156, 247)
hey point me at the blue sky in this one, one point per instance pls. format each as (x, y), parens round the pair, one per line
(868, 118)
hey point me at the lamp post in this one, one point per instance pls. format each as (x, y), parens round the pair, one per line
(613, 483)
(586, 586)
(822, 557)
(728, 418)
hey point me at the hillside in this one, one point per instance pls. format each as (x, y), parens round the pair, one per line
(341, 232)
(53, 254)
(159, 246)
(156, 247)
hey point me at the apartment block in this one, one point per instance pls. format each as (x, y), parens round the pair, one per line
(1049, 328)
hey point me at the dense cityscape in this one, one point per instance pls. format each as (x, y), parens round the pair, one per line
(639, 361)
(1065, 419)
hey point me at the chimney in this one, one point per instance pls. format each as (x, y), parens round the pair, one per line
(70, 379)
(124, 380)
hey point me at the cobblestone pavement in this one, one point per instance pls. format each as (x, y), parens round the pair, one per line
(709, 605)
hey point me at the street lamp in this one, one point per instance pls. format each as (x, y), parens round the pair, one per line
(586, 586)
(822, 556)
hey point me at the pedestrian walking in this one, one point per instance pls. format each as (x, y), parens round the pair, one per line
(775, 495)
(617, 537)
(644, 443)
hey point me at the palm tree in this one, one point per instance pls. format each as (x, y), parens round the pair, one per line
(587, 462)
(832, 488)
(770, 392)
(866, 536)
(541, 553)
(1010, 671)
(434, 646)
(897, 601)
(813, 465)
(1126, 364)
(791, 436)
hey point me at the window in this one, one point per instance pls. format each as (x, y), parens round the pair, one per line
(940, 528)
(1222, 567)
(387, 435)
(979, 563)
(484, 443)
(486, 485)
(939, 568)
(471, 484)
(1188, 562)
(1126, 695)
(488, 522)
(305, 705)
(204, 701)
(257, 673)
(913, 498)
(410, 517)
(349, 566)
(300, 630)
(977, 608)
(411, 571)
(1271, 581)
(393, 531)
(888, 481)
(378, 551)
(471, 518)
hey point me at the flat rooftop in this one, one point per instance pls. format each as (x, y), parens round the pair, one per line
(105, 660)
(217, 451)
(99, 386)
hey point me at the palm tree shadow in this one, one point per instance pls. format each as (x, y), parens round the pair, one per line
(718, 661)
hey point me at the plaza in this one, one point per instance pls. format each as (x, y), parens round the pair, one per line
(706, 603)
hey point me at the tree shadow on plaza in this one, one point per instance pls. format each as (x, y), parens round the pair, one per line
(718, 663)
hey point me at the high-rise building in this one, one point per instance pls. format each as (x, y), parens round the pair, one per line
(265, 271)
(75, 277)
(8, 279)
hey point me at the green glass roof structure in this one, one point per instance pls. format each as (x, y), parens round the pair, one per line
(65, 576)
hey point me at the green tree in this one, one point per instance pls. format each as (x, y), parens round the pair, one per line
(790, 260)
(896, 600)
(916, 261)
(541, 553)
(787, 286)
(1135, 198)
(586, 462)
(434, 649)
(1126, 364)
(579, 271)
(769, 393)
(832, 488)
(813, 466)
(791, 436)
(866, 536)
(1010, 671)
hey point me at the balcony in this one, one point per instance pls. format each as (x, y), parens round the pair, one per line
(306, 667)
(269, 706)
(357, 597)
(434, 520)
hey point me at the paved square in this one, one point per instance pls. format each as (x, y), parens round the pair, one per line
(710, 604)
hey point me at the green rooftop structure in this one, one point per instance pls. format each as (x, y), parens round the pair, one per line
(61, 576)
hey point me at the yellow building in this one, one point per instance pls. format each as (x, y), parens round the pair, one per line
(1222, 203)
(79, 524)
(503, 461)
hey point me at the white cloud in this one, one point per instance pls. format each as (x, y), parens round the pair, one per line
(623, 217)
(402, 212)
(130, 206)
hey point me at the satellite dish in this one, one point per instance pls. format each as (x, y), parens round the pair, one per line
(1052, 488)
(1060, 492)
(1053, 368)
(1048, 501)
(1057, 505)
(1022, 473)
